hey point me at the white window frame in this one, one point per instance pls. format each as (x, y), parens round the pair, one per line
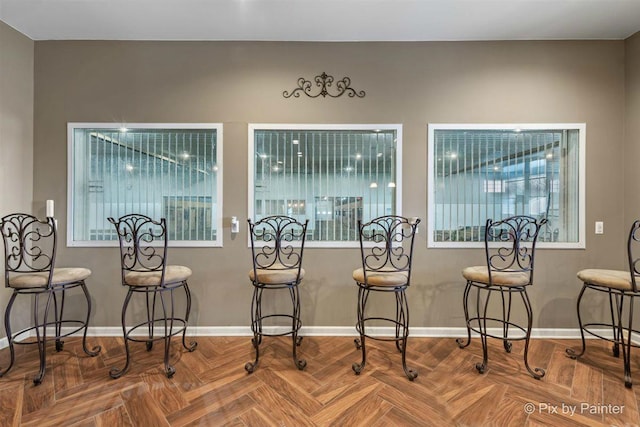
(580, 127)
(289, 126)
(71, 126)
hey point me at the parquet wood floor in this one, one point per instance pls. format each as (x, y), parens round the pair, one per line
(211, 387)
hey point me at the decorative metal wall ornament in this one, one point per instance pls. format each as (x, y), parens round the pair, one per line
(324, 82)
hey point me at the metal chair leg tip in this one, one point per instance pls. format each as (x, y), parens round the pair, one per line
(170, 371)
(116, 373)
(538, 373)
(357, 368)
(94, 351)
(571, 353)
(461, 342)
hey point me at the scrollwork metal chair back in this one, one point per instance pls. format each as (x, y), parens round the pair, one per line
(30, 252)
(29, 244)
(386, 249)
(277, 243)
(633, 250)
(392, 238)
(510, 244)
(621, 287)
(143, 243)
(143, 258)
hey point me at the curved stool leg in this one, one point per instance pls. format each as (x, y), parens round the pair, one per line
(363, 295)
(295, 326)
(626, 346)
(403, 305)
(42, 341)
(569, 351)
(537, 373)
(58, 318)
(258, 316)
(618, 333)
(115, 372)
(401, 323)
(192, 344)
(256, 327)
(7, 327)
(482, 327)
(151, 315)
(168, 329)
(465, 306)
(616, 325)
(506, 316)
(95, 350)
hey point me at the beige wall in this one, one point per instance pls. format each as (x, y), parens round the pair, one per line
(413, 84)
(16, 131)
(632, 129)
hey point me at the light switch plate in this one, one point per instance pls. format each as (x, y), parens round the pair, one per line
(599, 227)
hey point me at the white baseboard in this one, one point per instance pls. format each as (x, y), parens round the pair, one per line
(344, 331)
(335, 331)
(422, 332)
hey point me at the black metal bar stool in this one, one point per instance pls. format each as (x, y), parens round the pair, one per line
(386, 248)
(277, 244)
(509, 249)
(143, 260)
(619, 286)
(30, 254)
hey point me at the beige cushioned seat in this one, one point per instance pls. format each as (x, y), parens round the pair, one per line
(616, 279)
(172, 274)
(381, 278)
(39, 280)
(275, 275)
(480, 274)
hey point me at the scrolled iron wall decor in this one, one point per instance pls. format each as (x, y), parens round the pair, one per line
(324, 82)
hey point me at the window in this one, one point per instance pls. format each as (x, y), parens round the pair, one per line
(160, 170)
(332, 175)
(477, 172)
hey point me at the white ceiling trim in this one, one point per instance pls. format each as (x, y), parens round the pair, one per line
(322, 20)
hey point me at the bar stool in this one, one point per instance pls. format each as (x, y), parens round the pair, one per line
(619, 285)
(509, 249)
(277, 245)
(144, 269)
(386, 249)
(30, 257)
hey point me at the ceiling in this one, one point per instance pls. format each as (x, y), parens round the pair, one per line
(322, 20)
